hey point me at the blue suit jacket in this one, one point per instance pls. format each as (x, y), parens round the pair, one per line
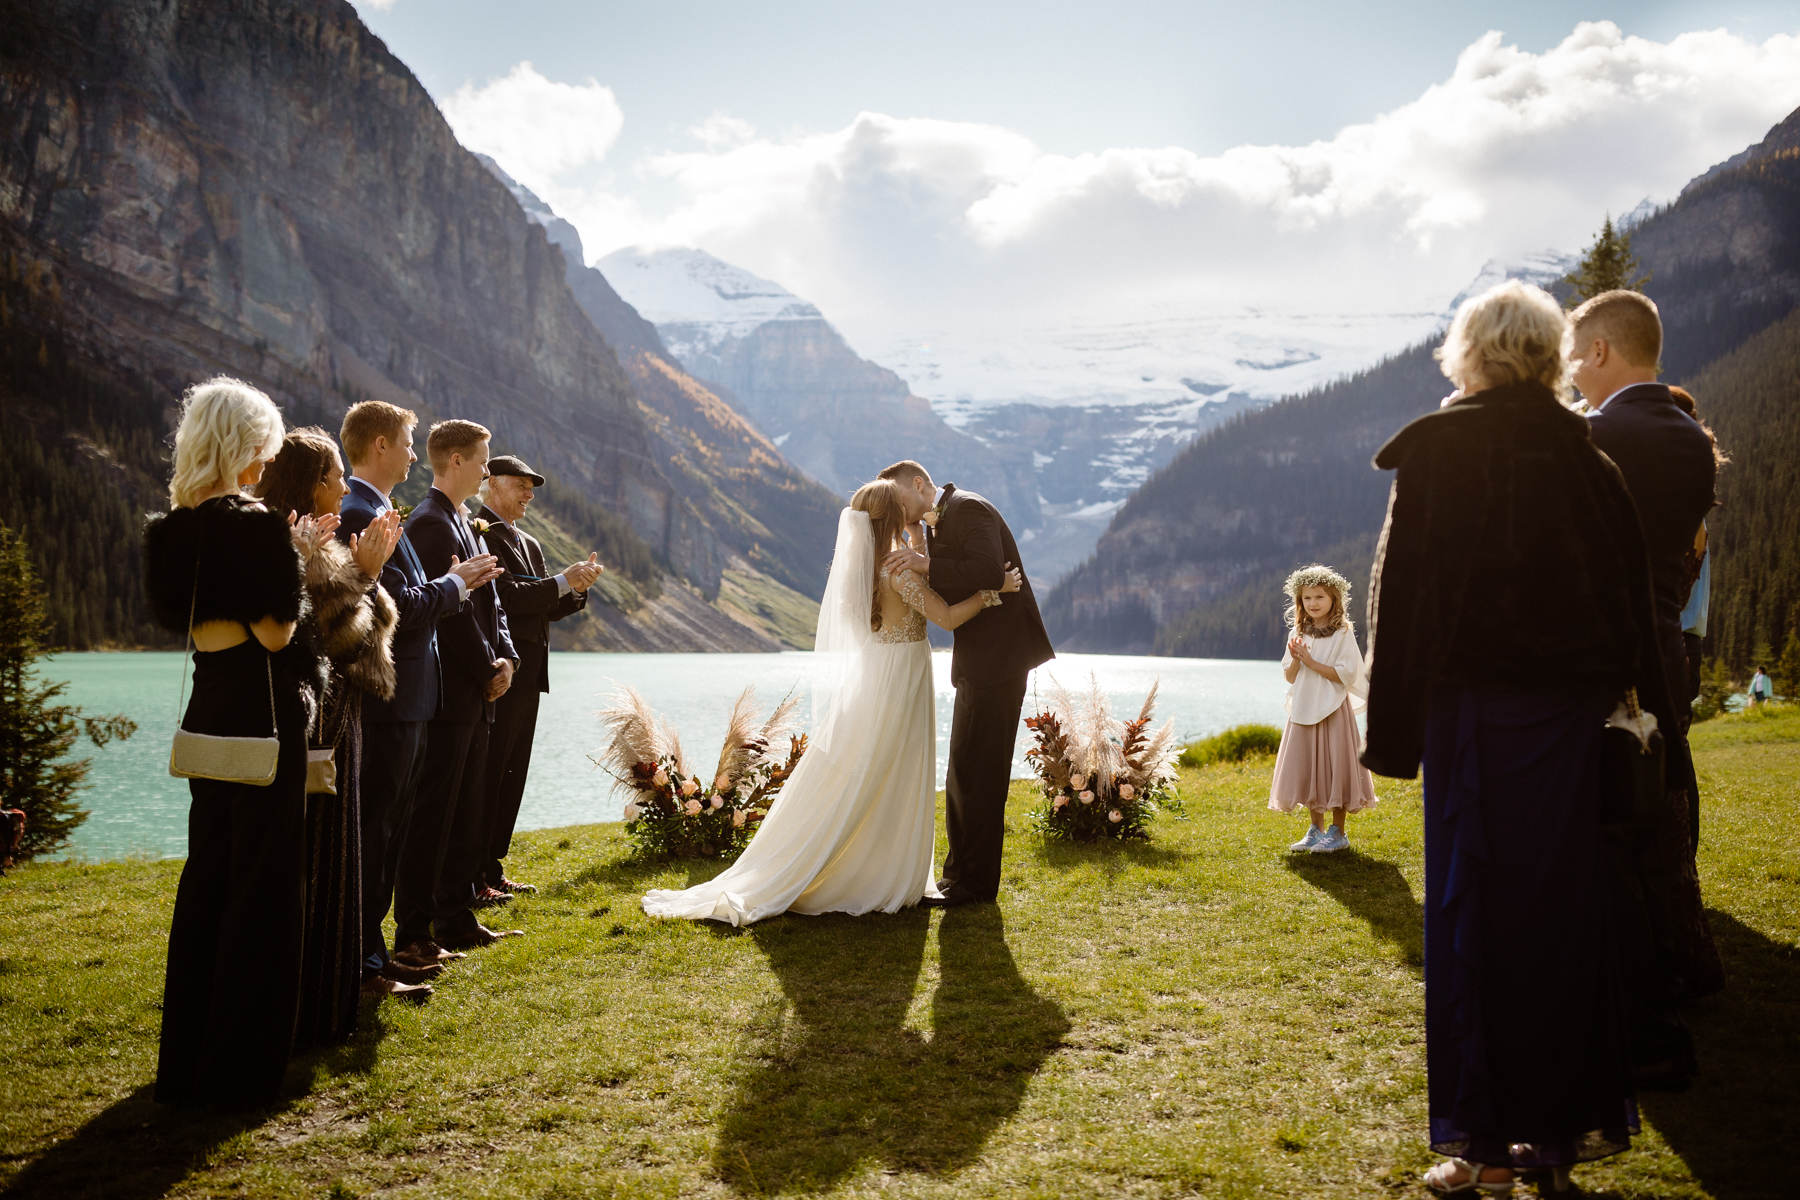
(476, 634)
(422, 602)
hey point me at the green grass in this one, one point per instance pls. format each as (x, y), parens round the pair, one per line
(1201, 1016)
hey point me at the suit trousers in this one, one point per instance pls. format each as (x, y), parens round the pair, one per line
(464, 849)
(419, 882)
(509, 759)
(393, 761)
(983, 731)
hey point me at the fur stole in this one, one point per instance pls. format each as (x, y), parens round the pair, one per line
(355, 620)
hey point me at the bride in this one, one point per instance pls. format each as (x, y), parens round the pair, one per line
(852, 830)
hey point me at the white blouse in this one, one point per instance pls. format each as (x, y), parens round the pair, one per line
(1312, 697)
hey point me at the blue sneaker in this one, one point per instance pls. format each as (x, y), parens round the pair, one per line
(1307, 843)
(1333, 840)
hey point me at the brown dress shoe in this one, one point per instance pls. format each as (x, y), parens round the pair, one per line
(425, 954)
(401, 972)
(509, 885)
(412, 993)
(487, 897)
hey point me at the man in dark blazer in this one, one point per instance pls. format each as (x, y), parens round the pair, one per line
(531, 598)
(1668, 464)
(970, 549)
(476, 650)
(377, 439)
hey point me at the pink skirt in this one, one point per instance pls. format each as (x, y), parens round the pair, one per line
(1317, 768)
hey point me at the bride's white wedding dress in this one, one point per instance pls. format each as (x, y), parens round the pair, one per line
(852, 829)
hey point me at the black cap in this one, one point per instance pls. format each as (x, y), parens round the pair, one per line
(507, 464)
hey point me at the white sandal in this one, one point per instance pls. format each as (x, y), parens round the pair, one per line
(1438, 1179)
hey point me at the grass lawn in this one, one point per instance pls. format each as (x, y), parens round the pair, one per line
(1201, 1016)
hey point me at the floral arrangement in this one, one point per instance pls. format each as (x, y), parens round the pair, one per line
(1101, 778)
(673, 813)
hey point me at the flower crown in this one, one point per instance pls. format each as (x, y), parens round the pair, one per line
(1320, 576)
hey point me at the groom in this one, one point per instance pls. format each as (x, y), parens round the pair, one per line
(970, 549)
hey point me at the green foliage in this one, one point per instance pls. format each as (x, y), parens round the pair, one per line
(36, 731)
(1232, 745)
(1716, 688)
(1607, 265)
(1784, 676)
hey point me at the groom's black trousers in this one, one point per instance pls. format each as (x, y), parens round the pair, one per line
(983, 731)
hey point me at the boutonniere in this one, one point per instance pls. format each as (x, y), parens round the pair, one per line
(480, 526)
(405, 511)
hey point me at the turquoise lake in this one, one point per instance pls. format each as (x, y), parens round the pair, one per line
(138, 809)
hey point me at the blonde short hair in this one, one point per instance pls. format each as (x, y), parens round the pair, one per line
(452, 437)
(225, 426)
(367, 420)
(1511, 333)
(1627, 321)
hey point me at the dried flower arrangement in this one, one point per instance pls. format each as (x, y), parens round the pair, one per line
(1101, 778)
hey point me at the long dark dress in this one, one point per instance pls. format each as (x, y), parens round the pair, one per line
(1510, 609)
(348, 638)
(232, 987)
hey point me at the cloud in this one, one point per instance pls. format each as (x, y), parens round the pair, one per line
(536, 128)
(896, 222)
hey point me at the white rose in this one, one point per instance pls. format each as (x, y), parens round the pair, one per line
(1086, 797)
(1115, 816)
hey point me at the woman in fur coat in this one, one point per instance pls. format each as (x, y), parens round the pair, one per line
(347, 641)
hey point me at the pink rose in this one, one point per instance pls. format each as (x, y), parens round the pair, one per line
(1086, 797)
(737, 819)
(1059, 802)
(1115, 816)
(661, 778)
(689, 787)
(722, 783)
(1126, 791)
(692, 808)
(1078, 781)
(718, 801)
(632, 812)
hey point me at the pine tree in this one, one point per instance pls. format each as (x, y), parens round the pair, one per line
(1608, 265)
(36, 730)
(1784, 676)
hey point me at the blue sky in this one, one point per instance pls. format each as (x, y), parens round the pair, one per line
(983, 157)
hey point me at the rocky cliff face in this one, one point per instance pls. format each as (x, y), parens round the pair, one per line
(258, 187)
(1192, 563)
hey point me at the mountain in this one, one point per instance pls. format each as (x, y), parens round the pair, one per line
(260, 188)
(1192, 563)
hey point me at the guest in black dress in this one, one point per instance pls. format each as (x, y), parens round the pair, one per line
(1510, 612)
(346, 642)
(233, 984)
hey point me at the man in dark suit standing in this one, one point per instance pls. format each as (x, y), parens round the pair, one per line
(442, 850)
(1668, 464)
(377, 439)
(532, 598)
(970, 549)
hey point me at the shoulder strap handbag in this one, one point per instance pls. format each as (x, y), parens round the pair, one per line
(250, 760)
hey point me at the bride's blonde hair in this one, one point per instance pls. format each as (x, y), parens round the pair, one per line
(881, 499)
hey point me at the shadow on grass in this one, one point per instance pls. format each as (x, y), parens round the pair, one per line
(137, 1149)
(838, 1080)
(1373, 889)
(631, 873)
(1733, 1126)
(1112, 857)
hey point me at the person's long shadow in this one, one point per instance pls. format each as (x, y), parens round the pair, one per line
(1733, 1125)
(1373, 889)
(839, 1080)
(137, 1149)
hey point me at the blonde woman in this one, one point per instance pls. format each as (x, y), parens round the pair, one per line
(226, 567)
(852, 831)
(1510, 611)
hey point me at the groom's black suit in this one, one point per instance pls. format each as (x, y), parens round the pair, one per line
(995, 650)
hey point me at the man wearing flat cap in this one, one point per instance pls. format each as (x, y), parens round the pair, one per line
(532, 598)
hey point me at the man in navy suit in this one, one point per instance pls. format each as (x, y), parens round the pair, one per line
(377, 439)
(476, 650)
(1668, 464)
(532, 598)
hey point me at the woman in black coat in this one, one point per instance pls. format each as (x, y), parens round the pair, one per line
(345, 643)
(228, 568)
(1509, 614)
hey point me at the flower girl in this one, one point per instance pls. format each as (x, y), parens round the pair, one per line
(1317, 767)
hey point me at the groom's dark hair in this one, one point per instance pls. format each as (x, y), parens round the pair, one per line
(904, 470)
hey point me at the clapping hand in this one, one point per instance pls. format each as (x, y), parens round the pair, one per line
(581, 575)
(311, 532)
(1297, 648)
(375, 544)
(1014, 579)
(482, 569)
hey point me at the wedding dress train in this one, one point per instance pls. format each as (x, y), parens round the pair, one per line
(852, 831)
